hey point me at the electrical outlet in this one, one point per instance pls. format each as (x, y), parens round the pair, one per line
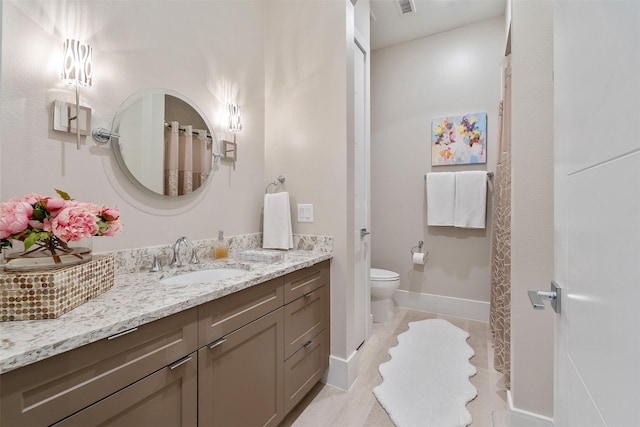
(305, 213)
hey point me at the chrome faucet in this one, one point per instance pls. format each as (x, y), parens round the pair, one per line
(175, 261)
(155, 264)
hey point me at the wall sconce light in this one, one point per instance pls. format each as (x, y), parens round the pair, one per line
(235, 121)
(77, 70)
(230, 149)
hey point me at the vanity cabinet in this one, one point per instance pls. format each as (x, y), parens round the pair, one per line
(245, 359)
(48, 391)
(255, 367)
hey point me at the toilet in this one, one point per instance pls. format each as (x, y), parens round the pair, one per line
(383, 284)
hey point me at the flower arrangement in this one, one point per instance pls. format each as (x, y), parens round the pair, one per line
(48, 224)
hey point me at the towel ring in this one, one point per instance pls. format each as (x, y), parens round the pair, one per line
(280, 179)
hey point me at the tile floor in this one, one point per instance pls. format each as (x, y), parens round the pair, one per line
(329, 406)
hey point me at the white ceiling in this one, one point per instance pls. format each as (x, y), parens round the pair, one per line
(430, 17)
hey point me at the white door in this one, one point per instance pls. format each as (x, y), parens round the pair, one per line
(362, 300)
(597, 212)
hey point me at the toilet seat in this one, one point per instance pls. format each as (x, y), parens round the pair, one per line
(380, 275)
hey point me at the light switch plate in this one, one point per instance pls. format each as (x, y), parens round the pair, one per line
(305, 213)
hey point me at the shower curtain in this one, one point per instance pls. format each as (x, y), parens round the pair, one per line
(500, 313)
(187, 160)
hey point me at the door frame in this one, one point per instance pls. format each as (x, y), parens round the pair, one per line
(361, 43)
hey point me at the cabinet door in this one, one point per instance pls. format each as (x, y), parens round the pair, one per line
(165, 398)
(240, 377)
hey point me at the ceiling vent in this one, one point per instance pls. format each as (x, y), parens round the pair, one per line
(406, 6)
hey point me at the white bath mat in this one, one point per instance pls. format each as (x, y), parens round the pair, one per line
(426, 382)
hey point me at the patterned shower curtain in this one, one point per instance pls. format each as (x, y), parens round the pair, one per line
(500, 314)
(187, 160)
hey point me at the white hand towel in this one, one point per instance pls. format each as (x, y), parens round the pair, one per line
(471, 199)
(277, 232)
(440, 198)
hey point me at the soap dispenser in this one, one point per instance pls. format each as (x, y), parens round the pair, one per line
(220, 249)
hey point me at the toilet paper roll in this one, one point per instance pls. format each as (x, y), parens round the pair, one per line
(419, 258)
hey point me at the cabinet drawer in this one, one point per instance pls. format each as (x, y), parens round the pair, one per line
(303, 281)
(52, 389)
(168, 397)
(222, 316)
(303, 370)
(304, 319)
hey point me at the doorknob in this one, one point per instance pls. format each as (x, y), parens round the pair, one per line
(554, 296)
(364, 232)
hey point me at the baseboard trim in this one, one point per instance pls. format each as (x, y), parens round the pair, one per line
(521, 418)
(342, 373)
(459, 307)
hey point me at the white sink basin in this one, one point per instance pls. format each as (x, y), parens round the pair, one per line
(203, 276)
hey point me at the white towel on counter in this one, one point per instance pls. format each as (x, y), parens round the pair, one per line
(277, 232)
(440, 198)
(470, 199)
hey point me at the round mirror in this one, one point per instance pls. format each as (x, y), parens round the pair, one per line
(165, 144)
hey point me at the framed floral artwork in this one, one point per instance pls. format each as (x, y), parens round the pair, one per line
(459, 140)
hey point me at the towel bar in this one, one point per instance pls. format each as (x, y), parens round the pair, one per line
(490, 174)
(280, 179)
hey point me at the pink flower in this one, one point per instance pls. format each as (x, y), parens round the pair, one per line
(110, 214)
(30, 198)
(114, 228)
(14, 218)
(67, 220)
(75, 222)
(55, 203)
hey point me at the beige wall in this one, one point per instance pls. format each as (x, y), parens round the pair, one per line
(287, 64)
(308, 123)
(532, 204)
(136, 45)
(451, 73)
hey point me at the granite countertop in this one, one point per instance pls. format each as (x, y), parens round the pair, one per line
(134, 299)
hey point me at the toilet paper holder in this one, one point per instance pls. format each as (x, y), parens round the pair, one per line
(419, 250)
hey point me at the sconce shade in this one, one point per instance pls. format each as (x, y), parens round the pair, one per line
(76, 67)
(235, 121)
